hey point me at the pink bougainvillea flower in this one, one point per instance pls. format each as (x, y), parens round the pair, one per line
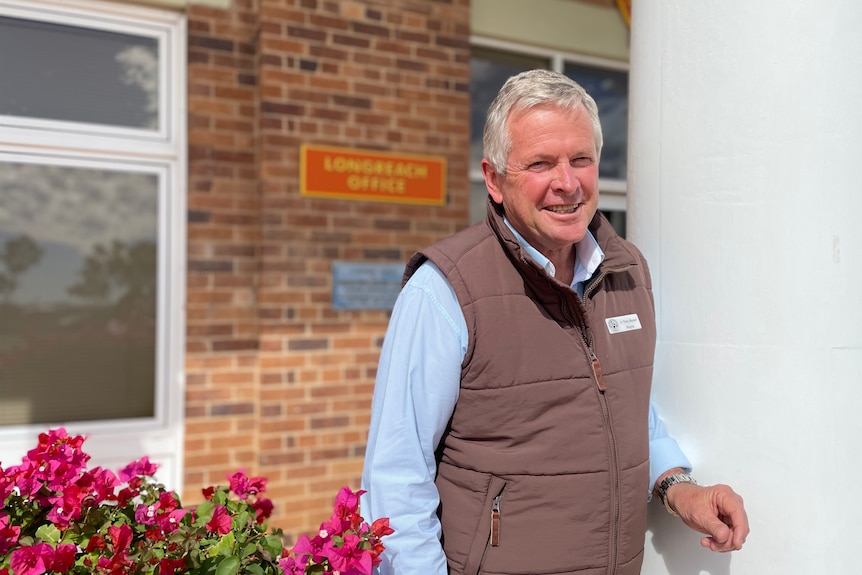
(8, 534)
(169, 522)
(31, 559)
(347, 508)
(64, 558)
(381, 528)
(139, 468)
(349, 557)
(146, 514)
(220, 522)
(171, 566)
(106, 531)
(347, 501)
(305, 549)
(7, 484)
(95, 543)
(100, 484)
(66, 506)
(263, 509)
(121, 538)
(290, 566)
(168, 501)
(244, 486)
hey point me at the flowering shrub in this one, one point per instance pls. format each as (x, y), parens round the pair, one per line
(59, 517)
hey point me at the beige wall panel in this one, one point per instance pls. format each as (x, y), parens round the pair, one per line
(559, 24)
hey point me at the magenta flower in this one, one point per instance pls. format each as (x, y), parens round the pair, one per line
(347, 501)
(100, 484)
(66, 506)
(293, 565)
(64, 558)
(262, 509)
(125, 522)
(8, 534)
(146, 514)
(220, 522)
(31, 559)
(169, 522)
(139, 468)
(349, 557)
(171, 566)
(243, 486)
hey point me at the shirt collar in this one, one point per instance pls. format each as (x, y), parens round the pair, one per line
(588, 256)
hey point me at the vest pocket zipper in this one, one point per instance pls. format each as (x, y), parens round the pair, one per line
(495, 521)
(487, 535)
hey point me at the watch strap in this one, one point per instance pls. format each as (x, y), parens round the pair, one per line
(667, 483)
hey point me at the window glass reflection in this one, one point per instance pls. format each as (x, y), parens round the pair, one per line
(102, 77)
(489, 70)
(78, 265)
(610, 90)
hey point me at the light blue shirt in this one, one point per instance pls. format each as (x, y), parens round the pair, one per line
(418, 380)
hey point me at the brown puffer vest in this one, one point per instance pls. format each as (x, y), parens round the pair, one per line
(544, 468)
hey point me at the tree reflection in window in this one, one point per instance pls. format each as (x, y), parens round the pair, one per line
(78, 293)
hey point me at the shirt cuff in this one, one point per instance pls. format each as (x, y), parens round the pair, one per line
(664, 454)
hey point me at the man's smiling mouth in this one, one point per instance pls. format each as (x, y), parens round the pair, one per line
(569, 209)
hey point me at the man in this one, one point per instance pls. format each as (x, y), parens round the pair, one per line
(512, 430)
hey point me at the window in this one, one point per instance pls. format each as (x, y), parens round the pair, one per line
(493, 62)
(92, 212)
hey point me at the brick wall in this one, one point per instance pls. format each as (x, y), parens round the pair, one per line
(279, 383)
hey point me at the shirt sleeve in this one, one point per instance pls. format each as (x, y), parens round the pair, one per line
(417, 385)
(664, 452)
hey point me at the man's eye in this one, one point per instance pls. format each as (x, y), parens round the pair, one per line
(540, 165)
(583, 161)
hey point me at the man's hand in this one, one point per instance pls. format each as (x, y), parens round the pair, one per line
(715, 510)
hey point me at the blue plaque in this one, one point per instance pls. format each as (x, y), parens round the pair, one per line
(361, 285)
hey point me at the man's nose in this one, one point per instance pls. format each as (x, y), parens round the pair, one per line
(565, 178)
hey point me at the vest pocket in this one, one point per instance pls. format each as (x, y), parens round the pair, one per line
(489, 531)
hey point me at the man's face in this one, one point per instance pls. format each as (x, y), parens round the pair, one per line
(550, 192)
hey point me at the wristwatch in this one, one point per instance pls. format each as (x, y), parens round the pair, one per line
(666, 484)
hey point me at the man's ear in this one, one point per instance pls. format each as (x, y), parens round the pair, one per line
(493, 181)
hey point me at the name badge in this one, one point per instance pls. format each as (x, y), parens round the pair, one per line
(623, 323)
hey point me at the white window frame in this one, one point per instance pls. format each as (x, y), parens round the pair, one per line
(162, 152)
(613, 190)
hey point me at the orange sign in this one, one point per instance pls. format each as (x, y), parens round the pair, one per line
(352, 174)
(625, 7)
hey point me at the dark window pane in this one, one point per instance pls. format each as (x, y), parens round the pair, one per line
(617, 219)
(58, 72)
(610, 90)
(489, 70)
(78, 265)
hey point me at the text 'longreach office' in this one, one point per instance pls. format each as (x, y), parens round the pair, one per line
(348, 173)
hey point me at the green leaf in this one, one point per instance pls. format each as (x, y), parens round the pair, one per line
(242, 518)
(49, 533)
(249, 549)
(228, 566)
(273, 544)
(223, 547)
(204, 513)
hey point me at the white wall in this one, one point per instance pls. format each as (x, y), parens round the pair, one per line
(745, 195)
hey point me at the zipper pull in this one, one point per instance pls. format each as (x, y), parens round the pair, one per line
(597, 371)
(495, 522)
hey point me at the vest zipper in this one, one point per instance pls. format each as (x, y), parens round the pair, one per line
(614, 477)
(606, 415)
(495, 521)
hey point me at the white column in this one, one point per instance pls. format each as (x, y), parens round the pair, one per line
(745, 195)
